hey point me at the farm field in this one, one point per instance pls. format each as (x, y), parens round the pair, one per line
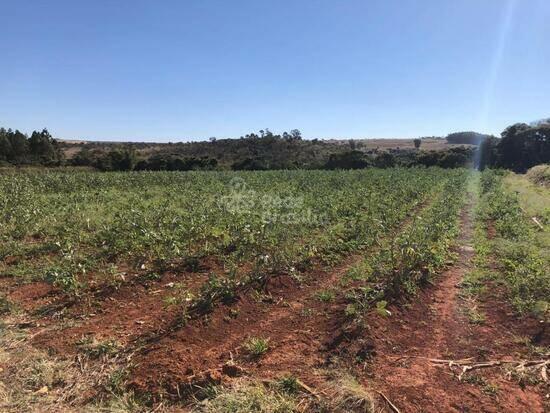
(273, 291)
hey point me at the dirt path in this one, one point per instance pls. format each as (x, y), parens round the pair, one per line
(436, 327)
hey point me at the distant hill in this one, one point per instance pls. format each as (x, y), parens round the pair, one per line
(225, 149)
(266, 151)
(467, 138)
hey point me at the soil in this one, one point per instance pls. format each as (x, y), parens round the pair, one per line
(308, 337)
(435, 327)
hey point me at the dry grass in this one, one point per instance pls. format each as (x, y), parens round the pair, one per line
(347, 395)
(540, 175)
(247, 396)
(33, 381)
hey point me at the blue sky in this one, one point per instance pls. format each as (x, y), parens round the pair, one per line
(191, 69)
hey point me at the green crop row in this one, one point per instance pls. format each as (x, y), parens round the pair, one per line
(80, 228)
(525, 265)
(410, 257)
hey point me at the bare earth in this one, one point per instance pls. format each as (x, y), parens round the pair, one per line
(435, 327)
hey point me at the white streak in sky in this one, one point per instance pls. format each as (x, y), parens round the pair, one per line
(504, 30)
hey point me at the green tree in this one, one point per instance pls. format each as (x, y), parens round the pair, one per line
(487, 154)
(347, 160)
(122, 160)
(384, 160)
(6, 152)
(523, 147)
(19, 145)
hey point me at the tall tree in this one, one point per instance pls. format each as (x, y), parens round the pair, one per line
(523, 147)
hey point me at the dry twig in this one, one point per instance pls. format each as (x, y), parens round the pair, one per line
(392, 406)
(518, 365)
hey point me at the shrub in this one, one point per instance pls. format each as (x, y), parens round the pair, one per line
(540, 175)
(256, 346)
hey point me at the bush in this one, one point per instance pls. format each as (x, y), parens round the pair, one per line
(525, 267)
(540, 175)
(347, 160)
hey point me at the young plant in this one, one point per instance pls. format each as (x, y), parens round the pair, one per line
(256, 346)
(326, 296)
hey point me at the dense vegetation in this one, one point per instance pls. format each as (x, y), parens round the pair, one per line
(521, 147)
(73, 229)
(269, 153)
(262, 151)
(470, 138)
(408, 260)
(18, 149)
(521, 254)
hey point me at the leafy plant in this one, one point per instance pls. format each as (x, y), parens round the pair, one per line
(326, 296)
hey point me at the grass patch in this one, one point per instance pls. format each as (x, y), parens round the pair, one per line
(96, 349)
(256, 346)
(246, 397)
(475, 316)
(520, 247)
(6, 306)
(326, 296)
(348, 395)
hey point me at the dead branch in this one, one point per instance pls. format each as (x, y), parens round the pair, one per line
(307, 388)
(537, 222)
(452, 362)
(527, 363)
(518, 365)
(392, 406)
(477, 366)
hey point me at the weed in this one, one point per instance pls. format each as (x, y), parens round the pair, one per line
(326, 296)
(347, 395)
(65, 279)
(96, 349)
(359, 272)
(191, 264)
(490, 389)
(256, 346)
(116, 382)
(180, 296)
(307, 312)
(248, 396)
(288, 384)
(474, 316)
(6, 306)
(475, 379)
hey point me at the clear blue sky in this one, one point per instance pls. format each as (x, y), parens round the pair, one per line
(192, 69)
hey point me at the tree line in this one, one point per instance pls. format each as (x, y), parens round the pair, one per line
(520, 147)
(40, 148)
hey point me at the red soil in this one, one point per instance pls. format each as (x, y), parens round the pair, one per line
(123, 315)
(199, 350)
(31, 296)
(305, 333)
(435, 327)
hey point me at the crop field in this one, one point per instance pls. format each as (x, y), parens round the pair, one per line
(90, 230)
(269, 291)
